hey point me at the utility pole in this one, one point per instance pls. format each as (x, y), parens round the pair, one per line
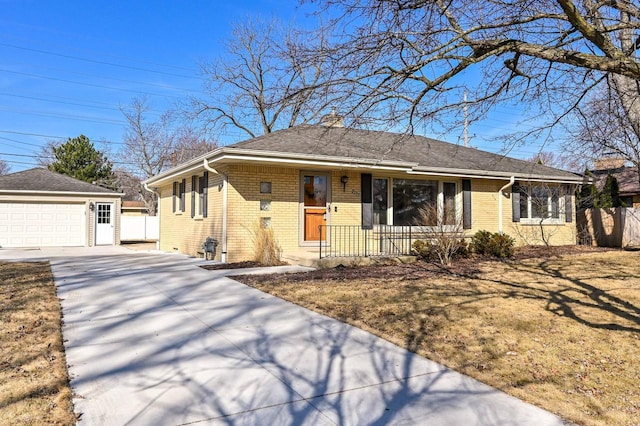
(466, 121)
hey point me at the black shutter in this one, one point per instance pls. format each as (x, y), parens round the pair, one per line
(193, 196)
(366, 192)
(183, 186)
(175, 193)
(568, 206)
(466, 203)
(205, 192)
(515, 202)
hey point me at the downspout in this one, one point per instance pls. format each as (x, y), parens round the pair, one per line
(512, 180)
(146, 187)
(225, 201)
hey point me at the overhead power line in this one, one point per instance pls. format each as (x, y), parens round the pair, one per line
(121, 80)
(45, 77)
(78, 58)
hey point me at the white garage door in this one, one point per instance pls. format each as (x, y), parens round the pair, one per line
(42, 224)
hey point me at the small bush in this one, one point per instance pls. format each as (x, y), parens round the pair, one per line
(493, 244)
(432, 252)
(424, 250)
(501, 246)
(464, 249)
(480, 242)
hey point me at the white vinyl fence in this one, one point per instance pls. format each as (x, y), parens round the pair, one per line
(139, 228)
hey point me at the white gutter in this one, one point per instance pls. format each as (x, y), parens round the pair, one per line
(146, 187)
(512, 180)
(225, 202)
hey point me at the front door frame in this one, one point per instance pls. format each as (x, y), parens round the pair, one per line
(100, 237)
(301, 228)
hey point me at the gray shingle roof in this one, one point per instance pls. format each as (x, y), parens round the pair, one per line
(426, 153)
(43, 180)
(627, 177)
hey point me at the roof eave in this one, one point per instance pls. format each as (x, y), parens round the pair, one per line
(43, 192)
(232, 155)
(493, 174)
(226, 155)
(182, 168)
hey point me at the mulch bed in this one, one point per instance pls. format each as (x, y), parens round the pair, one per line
(418, 270)
(236, 265)
(543, 252)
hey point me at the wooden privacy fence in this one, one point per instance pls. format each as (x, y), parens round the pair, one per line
(615, 227)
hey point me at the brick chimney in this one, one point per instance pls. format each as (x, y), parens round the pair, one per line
(332, 119)
(611, 163)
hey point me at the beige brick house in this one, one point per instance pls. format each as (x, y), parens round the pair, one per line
(324, 186)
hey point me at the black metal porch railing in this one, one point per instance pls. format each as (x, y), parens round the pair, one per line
(353, 241)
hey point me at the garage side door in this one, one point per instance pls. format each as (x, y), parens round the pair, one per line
(42, 225)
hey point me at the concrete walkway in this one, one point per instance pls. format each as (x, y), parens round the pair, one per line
(153, 339)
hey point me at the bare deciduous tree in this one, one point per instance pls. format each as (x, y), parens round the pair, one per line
(562, 161)
(442, 234)
(130, 185)
(604, 127)
(147, 144)
(5, 168)
(264, 82)
(188, 144)
(46, 156)
(151, 146)
(410, 60)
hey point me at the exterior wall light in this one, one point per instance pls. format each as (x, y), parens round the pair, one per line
(344, 179)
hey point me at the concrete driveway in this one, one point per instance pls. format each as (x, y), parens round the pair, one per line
(153, 339)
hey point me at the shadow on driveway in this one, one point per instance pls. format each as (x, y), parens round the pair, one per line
(154, 339)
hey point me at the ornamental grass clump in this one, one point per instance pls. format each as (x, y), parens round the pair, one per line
(266, 250)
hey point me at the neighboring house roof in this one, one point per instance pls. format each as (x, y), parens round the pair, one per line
(132, 204)
(39, 180)
(627, 177)
(350, 148)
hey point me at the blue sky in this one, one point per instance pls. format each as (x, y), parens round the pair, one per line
(68, 66)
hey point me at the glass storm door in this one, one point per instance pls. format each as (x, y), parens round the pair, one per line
(315, 197)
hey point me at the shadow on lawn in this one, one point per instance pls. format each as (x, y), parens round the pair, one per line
(561, 302)
(575, 298)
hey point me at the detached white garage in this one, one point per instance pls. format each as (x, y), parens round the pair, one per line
(40, 208)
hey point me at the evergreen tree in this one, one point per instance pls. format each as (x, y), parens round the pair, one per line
(590, 197)
(78, 158)
(610, 194)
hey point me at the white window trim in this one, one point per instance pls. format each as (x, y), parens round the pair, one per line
(560, 220)
(178, 211)
(439, 202)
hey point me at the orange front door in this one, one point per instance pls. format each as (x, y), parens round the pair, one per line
(315, 196)
(313, 218)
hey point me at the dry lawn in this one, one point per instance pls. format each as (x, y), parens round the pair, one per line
(34, 385)
(560, 332)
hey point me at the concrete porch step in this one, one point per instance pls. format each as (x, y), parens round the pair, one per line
(302, 257)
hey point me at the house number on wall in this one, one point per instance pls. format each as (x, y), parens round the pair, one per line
(354, 192)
